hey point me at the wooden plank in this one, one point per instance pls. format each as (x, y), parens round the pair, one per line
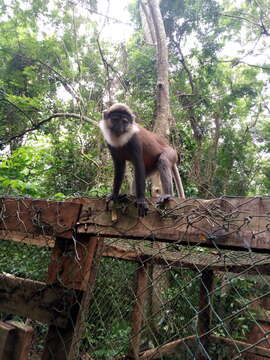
(27, 238)
(184, 258)
(240, 223)
(204, 313)
(35, 300)
(177, 345)
(242, 346)
(38, 216)
(22, 340)
(138, 311)
(170, 348)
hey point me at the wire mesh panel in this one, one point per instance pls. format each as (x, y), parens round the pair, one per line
(189, 281)
(196, 313)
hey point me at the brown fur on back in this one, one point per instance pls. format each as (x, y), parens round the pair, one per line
(153, 145)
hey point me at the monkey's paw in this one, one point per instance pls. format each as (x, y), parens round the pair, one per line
(162, 200)
(115, 198)
(142, 207)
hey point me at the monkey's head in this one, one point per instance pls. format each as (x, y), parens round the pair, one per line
(119, 119)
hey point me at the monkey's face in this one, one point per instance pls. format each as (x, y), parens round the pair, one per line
(119, 123)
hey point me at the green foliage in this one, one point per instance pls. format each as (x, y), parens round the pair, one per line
(140, 77)
(24, 260)
(110, 343)
(22, 173)
(231, 302)
(112, 305)
(182, 301)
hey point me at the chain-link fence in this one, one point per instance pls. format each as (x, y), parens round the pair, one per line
(189, 281)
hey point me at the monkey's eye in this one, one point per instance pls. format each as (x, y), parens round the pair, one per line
(125, 120)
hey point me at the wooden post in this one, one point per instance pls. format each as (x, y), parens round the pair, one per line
(15, 340)
(58, 340)
(138, 311)
(63, 344)
(71, 262)
(23, 340)
(96, 250)
(204, 317)
(6, 332)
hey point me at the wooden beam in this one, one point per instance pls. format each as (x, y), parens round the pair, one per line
(184, 258)
(39, 217)
(240, 223)
(35, 300)
(27, 238)
(177, 345)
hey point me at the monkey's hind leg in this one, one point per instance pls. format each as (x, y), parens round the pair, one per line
(164, 168)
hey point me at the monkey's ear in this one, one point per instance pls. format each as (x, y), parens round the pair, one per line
(133, 117)
(105, 114)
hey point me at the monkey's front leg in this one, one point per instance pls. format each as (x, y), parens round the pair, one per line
(142, 207)
(140, 186)
(119, 171)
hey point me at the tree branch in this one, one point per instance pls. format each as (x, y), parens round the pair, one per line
(238, 17)
(183, 62)
(108, 66)
(44, 121)
(236, 62)
(4, 99)
(109, 17)
(64, 81)
(261, 26)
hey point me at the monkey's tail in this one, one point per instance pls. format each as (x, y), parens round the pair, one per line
(178, 182)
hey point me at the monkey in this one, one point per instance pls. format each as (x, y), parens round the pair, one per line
(147, 151)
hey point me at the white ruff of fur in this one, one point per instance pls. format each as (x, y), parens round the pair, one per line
(117, 141)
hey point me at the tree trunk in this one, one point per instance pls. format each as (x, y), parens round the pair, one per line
(147, 25)
(163, 104)
(153, 16)
(159, 278)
